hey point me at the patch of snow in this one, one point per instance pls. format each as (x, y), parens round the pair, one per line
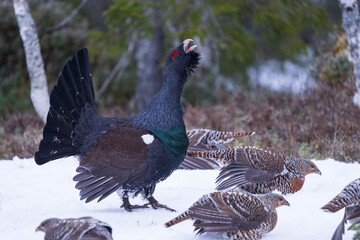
(30, 193)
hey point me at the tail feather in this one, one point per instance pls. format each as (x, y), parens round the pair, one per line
(212, 137)
(74, 91)
(182, 217)
(349, 196)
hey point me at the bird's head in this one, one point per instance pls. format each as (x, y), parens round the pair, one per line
(183, 59)
(46, 224)
(276, 200)
(308, 167)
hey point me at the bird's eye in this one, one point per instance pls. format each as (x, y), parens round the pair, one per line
(174, 55)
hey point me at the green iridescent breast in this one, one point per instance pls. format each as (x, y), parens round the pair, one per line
(175, 140)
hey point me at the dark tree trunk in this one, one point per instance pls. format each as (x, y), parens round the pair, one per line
(94, 9)
(149, 53)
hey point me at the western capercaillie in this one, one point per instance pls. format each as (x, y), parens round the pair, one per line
(85, 228)
(127, 155)
(259, 170)
(239, 214)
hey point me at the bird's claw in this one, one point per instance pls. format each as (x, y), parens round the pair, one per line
(129, 207)
(159, 205)
(155, 204)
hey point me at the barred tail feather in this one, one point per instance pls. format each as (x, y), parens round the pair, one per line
(182, 217)
(209, 137)
(223, 155)
(336, 204)
(72, 93)
(230, 135)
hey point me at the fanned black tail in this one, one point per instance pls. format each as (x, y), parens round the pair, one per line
(72, 97)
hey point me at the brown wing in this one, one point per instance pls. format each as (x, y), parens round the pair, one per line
(98, 230)
(236, 175)
(265, 159)
(117, 157)
(97, 233)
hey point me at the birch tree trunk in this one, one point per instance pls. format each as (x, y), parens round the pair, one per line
(351, 25)
(39, 90)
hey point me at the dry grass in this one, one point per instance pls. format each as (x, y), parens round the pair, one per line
(322, 123)
(318, 125)
(20, 135)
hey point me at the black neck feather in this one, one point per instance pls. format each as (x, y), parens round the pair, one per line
(164, 112)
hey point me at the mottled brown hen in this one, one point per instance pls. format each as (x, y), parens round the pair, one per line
(85, 228)
(238, 214)
(259, 170)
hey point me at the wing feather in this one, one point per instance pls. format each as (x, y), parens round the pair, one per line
(117, 157)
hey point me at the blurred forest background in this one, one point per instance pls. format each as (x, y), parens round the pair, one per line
(241, 43)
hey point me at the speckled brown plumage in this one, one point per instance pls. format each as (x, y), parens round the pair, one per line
(213, 138)
(348, 198)
(206, 139)
(238, 214)
(85, 228)
(259, 170)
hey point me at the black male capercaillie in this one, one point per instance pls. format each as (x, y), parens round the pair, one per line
(127, 155)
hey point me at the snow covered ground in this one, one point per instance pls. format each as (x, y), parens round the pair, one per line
(30, 193)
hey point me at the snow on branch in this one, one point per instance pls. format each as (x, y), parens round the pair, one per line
(39, 90)
(351, 25)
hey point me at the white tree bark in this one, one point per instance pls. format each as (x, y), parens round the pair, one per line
(351, 25)
(39, 90)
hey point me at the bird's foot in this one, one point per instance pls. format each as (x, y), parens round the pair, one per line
(155, 204)
(128, 207)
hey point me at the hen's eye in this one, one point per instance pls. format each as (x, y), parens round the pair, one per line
(174, 55)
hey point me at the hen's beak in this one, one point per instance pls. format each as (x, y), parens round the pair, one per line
(40, 228)
(285, 203)
(188, 49)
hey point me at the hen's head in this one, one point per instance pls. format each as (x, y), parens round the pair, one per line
(183, 59)
(275, 200)
(307, 167)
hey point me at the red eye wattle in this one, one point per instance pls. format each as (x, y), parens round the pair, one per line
(174, 54)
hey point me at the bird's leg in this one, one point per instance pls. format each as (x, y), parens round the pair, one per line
(155, 204)
(127, 206)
